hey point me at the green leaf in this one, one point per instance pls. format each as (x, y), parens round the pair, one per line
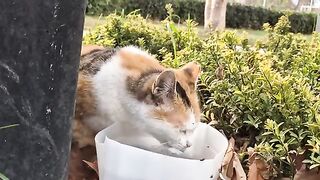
(3, 177)
(250, 118)
(264, 97)
(314, 166)
(294, 135)
(274, 140)
(267, 133)
(307, 161)
(291, 141)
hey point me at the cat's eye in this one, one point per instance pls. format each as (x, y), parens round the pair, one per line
(183, 131)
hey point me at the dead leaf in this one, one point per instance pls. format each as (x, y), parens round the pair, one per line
(305, 174)
(77, 169)
(239, 172)
(227, 165)
(231, 166)
(298, 160)
(258, 168)
(220, 72)
(92, 165)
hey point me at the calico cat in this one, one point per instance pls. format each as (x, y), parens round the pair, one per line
(128, 85)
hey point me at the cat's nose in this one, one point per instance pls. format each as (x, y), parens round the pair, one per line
(188, 144)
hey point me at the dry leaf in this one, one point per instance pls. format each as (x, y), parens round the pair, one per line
(305, 174)
(231, 166)
(258, 168)
(77, 169)
(239, 172)
(227, 165)
(220, 72)
(92, 165)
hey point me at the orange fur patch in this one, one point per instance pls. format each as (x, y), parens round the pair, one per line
(136, 63)
(85, 107)
(177, 117)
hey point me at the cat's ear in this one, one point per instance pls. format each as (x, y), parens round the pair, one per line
(192, 71)
(165, 84)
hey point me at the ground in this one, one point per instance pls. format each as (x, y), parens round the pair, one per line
(253, 35)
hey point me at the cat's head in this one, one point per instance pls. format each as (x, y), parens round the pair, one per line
(174, 104)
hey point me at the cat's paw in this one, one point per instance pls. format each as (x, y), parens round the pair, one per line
(174, 151)
(178, 146)
(170, 151)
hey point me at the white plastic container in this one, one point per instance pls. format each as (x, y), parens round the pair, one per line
(117, 161)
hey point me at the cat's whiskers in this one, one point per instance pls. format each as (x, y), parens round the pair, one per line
(164, 143)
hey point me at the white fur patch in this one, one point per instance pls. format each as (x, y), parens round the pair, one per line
(191, 123)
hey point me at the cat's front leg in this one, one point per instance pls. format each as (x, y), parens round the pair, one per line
(97, 122)
(170, 151)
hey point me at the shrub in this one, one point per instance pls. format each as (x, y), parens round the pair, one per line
(266, 95)
(133, 29)
(238, 16)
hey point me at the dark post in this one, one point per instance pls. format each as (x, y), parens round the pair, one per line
(40, 42)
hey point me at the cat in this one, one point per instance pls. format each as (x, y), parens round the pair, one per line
(130, 86)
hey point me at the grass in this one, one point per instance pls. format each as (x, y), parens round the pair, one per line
(253, 35)
(3, 177)
(92, 21)
(8, 126)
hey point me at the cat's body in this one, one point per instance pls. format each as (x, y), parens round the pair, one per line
(128, 85)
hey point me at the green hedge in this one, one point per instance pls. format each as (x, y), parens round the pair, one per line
(238, 16)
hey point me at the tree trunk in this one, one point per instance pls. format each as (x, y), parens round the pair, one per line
(300, 3)
(207, 11)
(297, 7)
(243, 2)
(215, 14)
(318, 23)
